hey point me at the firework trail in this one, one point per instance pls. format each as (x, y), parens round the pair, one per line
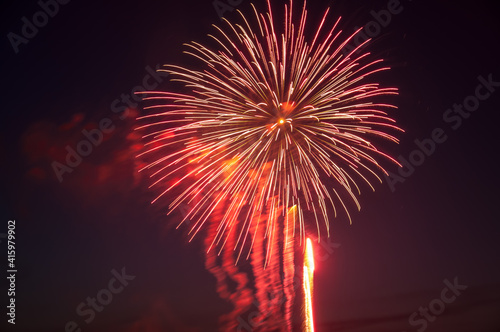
(225, 271)
(276, 126)
(307, 285)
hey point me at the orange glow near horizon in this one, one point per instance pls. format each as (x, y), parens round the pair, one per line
(308, 287)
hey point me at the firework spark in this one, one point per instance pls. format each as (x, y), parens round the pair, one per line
(274, 127)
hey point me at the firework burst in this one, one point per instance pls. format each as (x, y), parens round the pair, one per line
(273, 127)
(267, 119)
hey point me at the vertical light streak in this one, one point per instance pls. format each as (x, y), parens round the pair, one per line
(308, 287)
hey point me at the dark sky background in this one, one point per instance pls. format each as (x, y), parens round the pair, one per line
(441, 223)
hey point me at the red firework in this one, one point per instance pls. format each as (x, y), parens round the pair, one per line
(265, 126)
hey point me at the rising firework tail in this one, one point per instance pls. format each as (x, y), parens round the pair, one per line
(308, 287)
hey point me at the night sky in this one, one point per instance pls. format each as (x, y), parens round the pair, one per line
(433, 225)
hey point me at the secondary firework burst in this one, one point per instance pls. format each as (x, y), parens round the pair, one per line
(273, 127)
